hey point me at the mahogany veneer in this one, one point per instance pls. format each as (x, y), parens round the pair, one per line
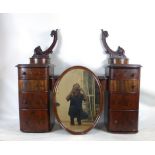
(122, 104)
(34, 97)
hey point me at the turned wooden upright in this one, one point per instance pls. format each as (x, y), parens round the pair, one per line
(122, 94)
(35, 106)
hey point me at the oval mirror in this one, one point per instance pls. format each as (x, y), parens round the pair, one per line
(77, 100)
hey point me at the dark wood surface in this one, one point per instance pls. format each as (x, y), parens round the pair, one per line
(34, 98)
(33, 65)
(122, 101)
(122, 104)
(124, 74)
(124, 86)
(33, 85)
(31, 73)
(123, 121)
(39, 53)
(117, 66)
(115, 57)
(34, 120)
(119, 53)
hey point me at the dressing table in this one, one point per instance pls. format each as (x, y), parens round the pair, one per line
(118, 92)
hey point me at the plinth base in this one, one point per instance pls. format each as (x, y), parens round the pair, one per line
(39, 61)
(118, 61)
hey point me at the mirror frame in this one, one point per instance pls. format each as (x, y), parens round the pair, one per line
(56, 84)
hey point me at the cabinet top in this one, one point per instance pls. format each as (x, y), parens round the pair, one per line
(34, 65)
(125, 66)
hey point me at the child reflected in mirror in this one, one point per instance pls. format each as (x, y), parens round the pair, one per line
(76, 96)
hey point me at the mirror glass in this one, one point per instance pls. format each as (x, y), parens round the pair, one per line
(78, 100)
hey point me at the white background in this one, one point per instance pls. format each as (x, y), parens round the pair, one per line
(130, 24)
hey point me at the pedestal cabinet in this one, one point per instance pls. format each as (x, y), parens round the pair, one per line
(35, 86)
(34, 97)
(122, 104)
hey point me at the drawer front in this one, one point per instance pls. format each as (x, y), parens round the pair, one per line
(115, 86)
(124, 101)
(33, 85)
(130, 86)
(123, 74)
(123, 121)
(36, 100)
(33, 73)
(34, 120)
(124, 86)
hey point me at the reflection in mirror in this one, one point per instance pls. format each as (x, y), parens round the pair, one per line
(77, 100)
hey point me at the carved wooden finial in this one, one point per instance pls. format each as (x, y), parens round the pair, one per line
(39, 53)
(118, 55)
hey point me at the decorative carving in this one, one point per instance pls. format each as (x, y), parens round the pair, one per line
(120, 53)
(39, 53)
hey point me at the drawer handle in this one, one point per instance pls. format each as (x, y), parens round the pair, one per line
(24, 73)
(132, 75)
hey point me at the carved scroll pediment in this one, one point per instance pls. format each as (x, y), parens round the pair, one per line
(119, 53)
(39, 53)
